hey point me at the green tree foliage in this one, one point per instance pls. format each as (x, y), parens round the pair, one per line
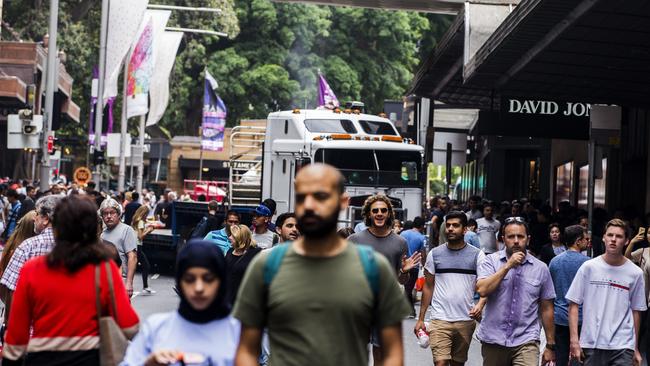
(269, 61)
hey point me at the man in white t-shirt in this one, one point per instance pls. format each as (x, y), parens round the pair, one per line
(450, 273)
(610, 289)
(487, 229)
(262, 235)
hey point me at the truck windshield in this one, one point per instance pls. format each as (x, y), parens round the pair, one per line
(396, 168)
(330, 125)
(378, 128)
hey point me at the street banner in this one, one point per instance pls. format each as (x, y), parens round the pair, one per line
(326, 97)
(141, 62)
(124, 19)
(107, 116)
(164, 59)
(214, 116)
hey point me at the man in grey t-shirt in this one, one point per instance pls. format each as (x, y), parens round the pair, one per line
(378, 216)
(123, 237)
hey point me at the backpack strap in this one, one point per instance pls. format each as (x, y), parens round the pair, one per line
(273, 262)
(369, 264)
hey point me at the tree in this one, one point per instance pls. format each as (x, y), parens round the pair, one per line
(269, 61)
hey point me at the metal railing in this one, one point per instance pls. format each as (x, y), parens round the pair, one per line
(245, 165)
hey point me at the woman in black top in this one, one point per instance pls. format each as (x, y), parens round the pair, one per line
(555, 247)
(239, 256)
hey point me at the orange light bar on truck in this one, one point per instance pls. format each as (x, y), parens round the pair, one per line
(337, 110)
(341, 136)
(296, 111)
(391, 138)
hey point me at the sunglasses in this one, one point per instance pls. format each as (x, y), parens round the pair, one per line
(376, 210)
(517, 219)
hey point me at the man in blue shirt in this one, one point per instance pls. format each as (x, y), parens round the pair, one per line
(220, 237)
(416, 242)
(563, 269)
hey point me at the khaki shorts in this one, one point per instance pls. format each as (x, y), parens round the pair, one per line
(524, 355)
(451, 340)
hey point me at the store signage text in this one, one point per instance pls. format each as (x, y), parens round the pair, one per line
(546, 107)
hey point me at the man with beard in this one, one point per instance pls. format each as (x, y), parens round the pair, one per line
(287, 227)
(519, 289)
(123, 237)
(378, 216)
(320, 305)
(450, 273)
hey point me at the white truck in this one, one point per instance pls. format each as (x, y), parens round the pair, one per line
(367, 149)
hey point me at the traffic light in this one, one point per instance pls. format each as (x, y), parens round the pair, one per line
(98, 157)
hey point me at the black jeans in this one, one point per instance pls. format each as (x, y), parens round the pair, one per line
(410, 285)
(562, 344)
(144, 267)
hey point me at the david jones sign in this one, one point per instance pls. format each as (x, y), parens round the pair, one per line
(545, 107)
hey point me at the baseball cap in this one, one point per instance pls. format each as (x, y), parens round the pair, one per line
(262, 210)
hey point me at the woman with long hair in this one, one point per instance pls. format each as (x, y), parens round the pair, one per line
(24, 230)
(54, 318)
(239, 256)
(139, 224)
(201, 331)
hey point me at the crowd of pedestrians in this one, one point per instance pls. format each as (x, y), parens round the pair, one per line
(533, 285)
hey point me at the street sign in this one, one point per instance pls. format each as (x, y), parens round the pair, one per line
(82, 175)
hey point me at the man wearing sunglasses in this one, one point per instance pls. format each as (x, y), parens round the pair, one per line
(378, 216)
(519, 289)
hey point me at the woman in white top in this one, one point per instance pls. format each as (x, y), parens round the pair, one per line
(201, 332)
(139, 224)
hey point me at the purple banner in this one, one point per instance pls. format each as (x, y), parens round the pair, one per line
(326, 97)
(214, 116)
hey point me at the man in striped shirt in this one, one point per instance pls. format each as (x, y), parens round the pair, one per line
(450, 273)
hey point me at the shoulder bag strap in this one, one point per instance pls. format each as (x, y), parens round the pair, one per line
(111, 290)
(98, 300)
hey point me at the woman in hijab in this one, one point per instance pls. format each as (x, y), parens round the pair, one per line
(201, 332)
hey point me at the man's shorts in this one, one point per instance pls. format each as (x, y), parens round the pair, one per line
(451, 340)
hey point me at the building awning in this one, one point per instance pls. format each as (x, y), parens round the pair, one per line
(12, 87)
(185, 163)
(72, 110)
(440, 76)
(593, 51)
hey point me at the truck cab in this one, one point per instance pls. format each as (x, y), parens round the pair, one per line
(367, 149)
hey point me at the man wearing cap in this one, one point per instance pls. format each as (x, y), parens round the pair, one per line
(264, 237)
(122, 236)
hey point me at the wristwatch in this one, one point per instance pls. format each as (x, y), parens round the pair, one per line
(550, 346)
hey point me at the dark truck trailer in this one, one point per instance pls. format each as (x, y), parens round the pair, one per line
(162, 245)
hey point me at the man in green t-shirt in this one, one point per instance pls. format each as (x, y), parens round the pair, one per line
(319, 308)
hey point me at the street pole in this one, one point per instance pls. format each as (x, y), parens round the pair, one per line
(99, 109)
(139, 179)
(123, 129)
(201, 153)
(49, 93)
(591, 186)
